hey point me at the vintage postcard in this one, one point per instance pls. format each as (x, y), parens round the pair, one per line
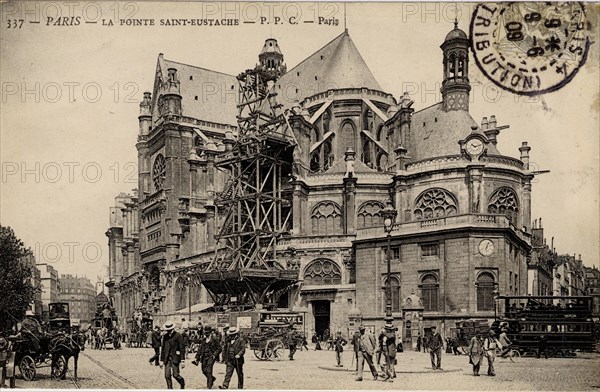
(299, 195)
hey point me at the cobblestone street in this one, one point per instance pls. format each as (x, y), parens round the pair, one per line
(128, 368)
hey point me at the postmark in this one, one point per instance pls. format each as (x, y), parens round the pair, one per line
(529, 48)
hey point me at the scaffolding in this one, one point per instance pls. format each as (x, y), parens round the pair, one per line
(256, 201)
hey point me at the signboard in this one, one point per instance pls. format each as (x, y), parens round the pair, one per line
(222, 320)
(244, 322)
(285, 318)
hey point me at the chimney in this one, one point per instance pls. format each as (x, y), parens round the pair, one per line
(484, 123)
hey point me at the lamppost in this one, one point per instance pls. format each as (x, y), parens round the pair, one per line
(389, 218)
(496, 294)
(188, 278)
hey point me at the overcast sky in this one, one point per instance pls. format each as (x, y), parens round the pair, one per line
(79, 146)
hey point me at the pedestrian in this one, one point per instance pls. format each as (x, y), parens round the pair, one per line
(454, 343)
(542, 346)
(156, 341)
(419, 342)
(149, 338)
(3, 359)
(476, 352)
(208, 352)
(379, 350)
(505, 342)
(390, 349)
(490, 345)
(436, 344)
(339, 344)
(172, 355)
(304, 343)
(291, 341)
(186, 341)
(448, 346)
(223, 339)
(367, 344)
(235, 347)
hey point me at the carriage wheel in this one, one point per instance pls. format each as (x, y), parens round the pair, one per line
(27, 368)
(59, 369)
(275, 350)
(260, 354)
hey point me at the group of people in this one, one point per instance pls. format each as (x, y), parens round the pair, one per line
(367, 347)
(170, 353)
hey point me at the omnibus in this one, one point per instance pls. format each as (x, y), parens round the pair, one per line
(565, 322)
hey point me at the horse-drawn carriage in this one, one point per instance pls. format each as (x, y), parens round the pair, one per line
(55, 348)
(273, 334)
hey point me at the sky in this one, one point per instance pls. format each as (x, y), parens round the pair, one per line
(70, 101)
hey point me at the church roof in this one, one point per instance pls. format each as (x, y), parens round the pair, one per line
(436, 132)
(336, 65)
(206, 95)
(456, 33)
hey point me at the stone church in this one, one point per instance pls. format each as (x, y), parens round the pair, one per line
(462, 232)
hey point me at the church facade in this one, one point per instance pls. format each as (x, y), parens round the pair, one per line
(462, 233)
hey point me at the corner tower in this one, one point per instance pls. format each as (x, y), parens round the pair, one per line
(455, 85)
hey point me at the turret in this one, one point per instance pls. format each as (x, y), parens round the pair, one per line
(271, 59)
(455, 85)
(170, 100)
(145, 117)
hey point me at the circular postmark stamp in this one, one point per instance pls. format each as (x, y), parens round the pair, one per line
(529, 48)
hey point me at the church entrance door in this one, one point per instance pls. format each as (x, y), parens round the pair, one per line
(322, 313)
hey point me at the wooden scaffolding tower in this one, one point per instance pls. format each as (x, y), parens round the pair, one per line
(246, 270)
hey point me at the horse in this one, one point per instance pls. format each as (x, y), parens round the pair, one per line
(62, 348)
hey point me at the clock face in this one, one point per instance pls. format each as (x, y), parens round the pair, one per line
(486, 247)
(474, 147)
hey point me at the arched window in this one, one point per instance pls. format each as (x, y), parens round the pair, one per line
(429, 292)
(198, 145)
(322, 272)
(369, 214)
(326, 218)
(395, 293)
(314, 135)
(451, 66)
(382, 162)
(347, 136)
(504, 201)
(180, 294)
(435, 203)
(485, 291)
(159, 172)
(196, 289)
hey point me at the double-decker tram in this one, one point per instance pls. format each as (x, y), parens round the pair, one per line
(561, 324)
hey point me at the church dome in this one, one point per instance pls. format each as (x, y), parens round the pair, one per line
(271, 46)
(456, 33)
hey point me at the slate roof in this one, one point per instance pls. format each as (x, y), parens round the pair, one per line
(209, 95)
(336, 65)
(436, 132)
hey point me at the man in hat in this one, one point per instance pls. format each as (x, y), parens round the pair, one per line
(489, 345)
(155, 341)
(367, 345)
(235, 347)
(208, 352)
(172, 354)
(389, 350)
(31, 329)
(339, 344)
(436, 344)
(291, 341)
(475, 352)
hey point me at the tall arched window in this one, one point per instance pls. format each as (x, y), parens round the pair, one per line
(485, 291)
(326, 119)
(159, 172)
(180, 294)
(429, 292)
(326, 218)
(395, 293)
(504, 201)
(435, 203)
(322, 272)
(367, 156)
(369, 214)
(347, 136)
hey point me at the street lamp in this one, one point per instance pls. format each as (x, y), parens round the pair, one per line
(389, 218)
